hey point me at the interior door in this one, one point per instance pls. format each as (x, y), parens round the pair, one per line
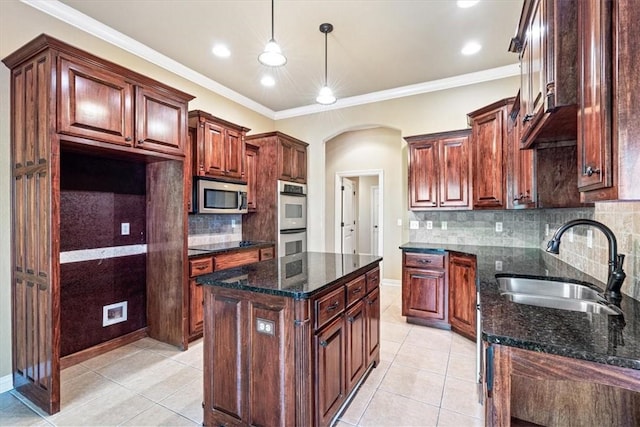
(348, 218)
(375, 229)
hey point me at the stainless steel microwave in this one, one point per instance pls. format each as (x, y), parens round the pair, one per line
(217, 197)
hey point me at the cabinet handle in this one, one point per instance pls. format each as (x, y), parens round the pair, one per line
(371, 301)
(590, 171)
(527, 118)
(424, 261)
(140, 141)
(357, 290)
(333, 306)
(201, 267)
(128, 139)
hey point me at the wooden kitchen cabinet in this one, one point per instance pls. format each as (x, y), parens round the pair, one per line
(608, 150)
(425, 289)
(331, 355)
(439, 171)
(356, 338)
(489, 141)
(546, 42)
(292, 159)
(521, 182)
(462, 294)
(219, 150)
(251, 163)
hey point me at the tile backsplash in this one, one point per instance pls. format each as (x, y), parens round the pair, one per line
(205, 229)
(527, 228)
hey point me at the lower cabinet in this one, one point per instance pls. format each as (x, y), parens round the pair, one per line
(439, 290)
(331, 356)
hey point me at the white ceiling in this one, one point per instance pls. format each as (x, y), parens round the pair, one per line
(376, 45)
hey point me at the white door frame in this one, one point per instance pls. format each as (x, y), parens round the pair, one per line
(375, 189)
(338, 204)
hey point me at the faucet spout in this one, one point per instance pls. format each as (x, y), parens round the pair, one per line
(616, 273)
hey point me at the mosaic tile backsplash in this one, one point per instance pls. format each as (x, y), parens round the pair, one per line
(204, 229)
(528, 228)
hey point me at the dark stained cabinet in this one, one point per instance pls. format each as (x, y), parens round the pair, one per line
(439, 171)
(462, 294)
(160, 121)
(546, 42)
(356, 337)
(292, 160)
(330, 368)
(251, 165)
(424, 288)
(219, 147)
(521, 183)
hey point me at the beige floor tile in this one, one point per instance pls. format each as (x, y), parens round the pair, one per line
(393, 314)
(73, 371)
(146, 342)
(377, 374)
(462, 367)
(388, 350)
(159, 416)
(187, 401)
(453, 419)
(163, 380)
(462, 345)
(110, 357)
(123, 370)
(422, 358)
(113, 409)
(83, 388)
(462, 397)
(396, 332)
(416, 384)
(359, 404)
(166, 350)
(343, 424)
(192, 357)
(436, 339)
(15, 413)
(388, 409)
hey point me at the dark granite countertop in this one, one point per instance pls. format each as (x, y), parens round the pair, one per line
(298, 276)
(218, 248)
(611, 340)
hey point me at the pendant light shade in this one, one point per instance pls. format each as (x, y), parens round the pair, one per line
(325, 97)
(272, 55)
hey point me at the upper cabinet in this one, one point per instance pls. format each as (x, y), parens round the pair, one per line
(609, 98)
(292, 159)
(439, 171)
(521, 182)
(251, 162)
(105, 105)
(546, 41)
(219, 147)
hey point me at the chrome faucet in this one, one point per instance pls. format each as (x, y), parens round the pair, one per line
(616, 273)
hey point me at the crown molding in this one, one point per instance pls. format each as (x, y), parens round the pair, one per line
(96, 28)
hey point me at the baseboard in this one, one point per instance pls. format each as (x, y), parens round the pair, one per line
(96, 350)
(6, 383)
(391, 282)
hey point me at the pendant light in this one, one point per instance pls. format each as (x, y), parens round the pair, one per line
(325, 97)
(272, 55)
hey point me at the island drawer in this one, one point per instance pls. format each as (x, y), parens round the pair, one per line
(266, 253)
(236, 259)
(424, 260)
(200, 266)
(329, 306)
(356, 289)
(373, 279)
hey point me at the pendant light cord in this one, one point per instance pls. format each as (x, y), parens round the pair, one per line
(272, 21)
(325, 59)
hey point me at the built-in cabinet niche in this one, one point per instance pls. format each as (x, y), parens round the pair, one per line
(102, 269)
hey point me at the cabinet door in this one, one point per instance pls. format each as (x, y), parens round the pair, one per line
(94, 103)
(423, 293)
(299, 164)
(373, 325)
(423, 176)
(595, 163)
(285, 160)
(356, 339)
(251, 162)
(161, 122)
(330, 364)
(533, 86)
(462, 294)
(196, 313)
(234, 154)
(211, 150)
(488, 172)
(454, 172)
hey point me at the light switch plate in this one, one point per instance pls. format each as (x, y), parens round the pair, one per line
(414, 225)
(429, 225)
(498, 265)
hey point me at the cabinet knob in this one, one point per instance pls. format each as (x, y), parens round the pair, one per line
(140, 141)
(527, 118)
(128, 139)
(323, 343)
(351, 319)
(590, 171)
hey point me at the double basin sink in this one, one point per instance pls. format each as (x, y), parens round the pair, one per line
(558, 294)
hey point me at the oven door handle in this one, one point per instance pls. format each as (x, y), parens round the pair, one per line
(284, 193)
(293, 231)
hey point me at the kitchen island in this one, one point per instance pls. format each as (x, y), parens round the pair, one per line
(550, 366)
(287, 341)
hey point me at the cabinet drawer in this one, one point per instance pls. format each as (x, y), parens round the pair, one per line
(424, 260)
(236, 259)
(266, 253)
(373, 279)
(198, 267)
(329, 306)
(356, 289)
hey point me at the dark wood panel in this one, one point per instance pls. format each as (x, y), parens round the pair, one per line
(330, 364)
(462, 294)
(356, 289)
(329, 306)
(356, 340)
(423, 177)
(236, 259)
(556, 177)
(423, 294)
(419, 260)
(161, 122)
(97, 350)
(489, 133)
(373, 326)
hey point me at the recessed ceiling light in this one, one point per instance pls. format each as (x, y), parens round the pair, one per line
(467, 3)
(221, 51)
(268, 81)
(471, 48)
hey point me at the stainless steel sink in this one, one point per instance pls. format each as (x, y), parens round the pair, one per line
(584, 305)
(549, 288)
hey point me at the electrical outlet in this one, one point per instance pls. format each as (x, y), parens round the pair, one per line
(443, 225)
(498, 265)
(414, 225)
(265, 326)
(429, 225)
(546, 229)
(589, 238)
(233, 223)
(571, 234)
(498, 227)
(124, 229)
